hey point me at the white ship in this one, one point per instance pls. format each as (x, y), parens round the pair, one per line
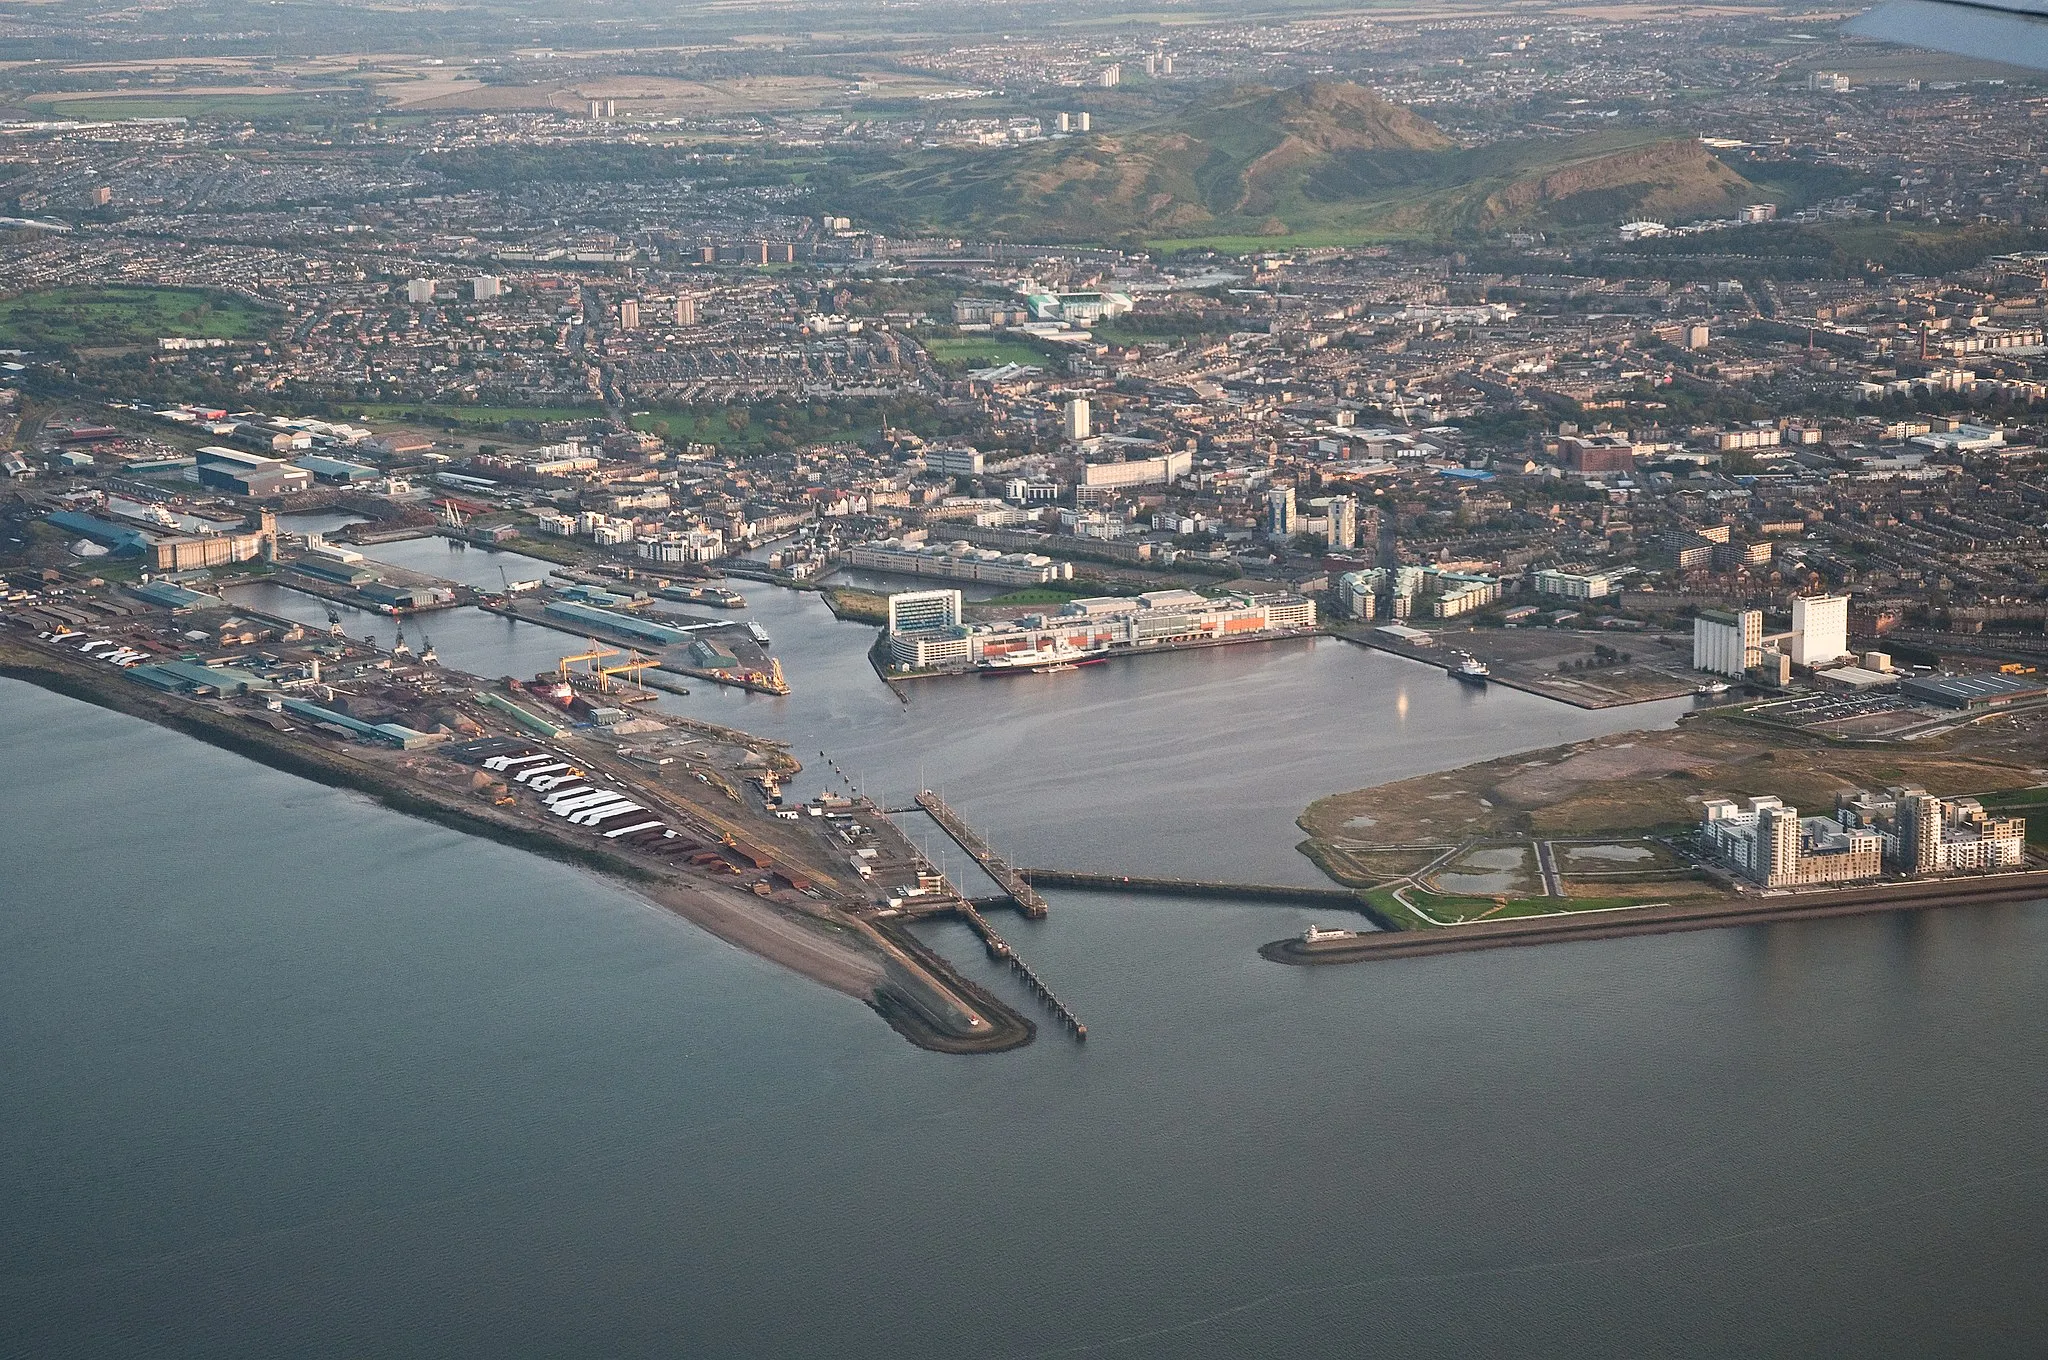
(1471, 671)
(1038, 661)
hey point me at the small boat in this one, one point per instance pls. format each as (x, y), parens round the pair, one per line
(1471, 671)
(1717, 687)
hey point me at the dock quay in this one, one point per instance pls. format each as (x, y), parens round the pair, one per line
(1188, 887)
(1660, 919)
(754, 680)
(992, 864)
(948, 900)
(336, 593)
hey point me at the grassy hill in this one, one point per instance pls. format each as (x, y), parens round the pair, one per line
(1315, 163)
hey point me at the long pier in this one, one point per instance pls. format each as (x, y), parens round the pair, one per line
(999, 949)
(1010, 880)
(1188, 887)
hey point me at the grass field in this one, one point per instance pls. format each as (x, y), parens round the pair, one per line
(976, 352)
(88, 317)
(474, 415)
(1454, 910)
(1035, 595)
(2031, 804)
(691, 428)
(857, 606)
(197, 106)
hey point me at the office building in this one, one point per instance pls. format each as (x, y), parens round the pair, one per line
(912, 610)
(1077, 425)
(1728, 644)
(955, 462)
(1597, 453)
(925, 631)
(1820, 629)
(419, 292)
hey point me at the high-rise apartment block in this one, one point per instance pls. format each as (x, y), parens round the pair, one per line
(1077, 419)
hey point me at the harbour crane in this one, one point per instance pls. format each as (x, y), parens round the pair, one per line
(597, 653)
(632, 665)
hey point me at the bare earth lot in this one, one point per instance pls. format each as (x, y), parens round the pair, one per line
(1645, 781)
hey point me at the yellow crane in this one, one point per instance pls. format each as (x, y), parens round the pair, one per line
(597, 653)
(632, 665)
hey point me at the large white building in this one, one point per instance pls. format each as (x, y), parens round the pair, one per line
(912, 610)
(1820, 629)
(1080, 308)
(695, 545)
(954, 462)
(1077, 423)
(958, 562)
(1573, 585)
(1728, 644)
(925, 632)
(1156, 471)
(1772, 845)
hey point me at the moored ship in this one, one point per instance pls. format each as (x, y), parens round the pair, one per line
(1037, 661)
(712, 595)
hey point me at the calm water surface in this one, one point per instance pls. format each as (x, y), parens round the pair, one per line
(283, 1072)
